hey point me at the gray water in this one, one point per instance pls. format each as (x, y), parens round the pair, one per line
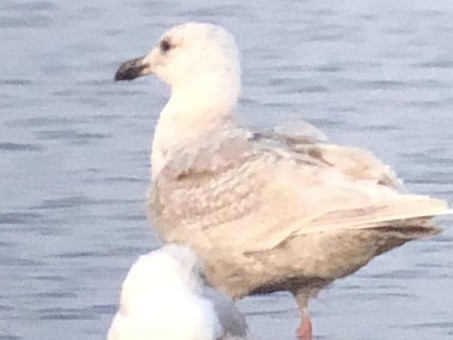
(74, 150)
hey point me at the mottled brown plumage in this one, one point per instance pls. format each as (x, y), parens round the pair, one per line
(279, 210)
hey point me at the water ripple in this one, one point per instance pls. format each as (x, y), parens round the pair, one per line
(82, 255)
(66, 202)
(29, 6)
(108, 309)
(70, 135)
(11, 146)
(18, 217)
(10, 337)
(436, 64)
(66, 314)
(30, 22)
(16, 82)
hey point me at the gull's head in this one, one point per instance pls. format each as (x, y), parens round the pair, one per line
(200, 62)
(187, 54)
(167, 270)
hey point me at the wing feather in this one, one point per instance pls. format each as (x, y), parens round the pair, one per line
(255, 195)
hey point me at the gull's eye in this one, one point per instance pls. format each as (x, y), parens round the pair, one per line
(165, 45)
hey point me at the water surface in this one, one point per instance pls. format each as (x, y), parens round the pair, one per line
(74, 150)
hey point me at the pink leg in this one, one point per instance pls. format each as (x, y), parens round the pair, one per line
(305, 329)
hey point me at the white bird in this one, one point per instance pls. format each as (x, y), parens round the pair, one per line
(265, 211)
(163, 298)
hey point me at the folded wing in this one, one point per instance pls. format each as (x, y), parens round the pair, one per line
(256, 191)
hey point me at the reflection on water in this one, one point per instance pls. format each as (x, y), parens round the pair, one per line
(74, 150)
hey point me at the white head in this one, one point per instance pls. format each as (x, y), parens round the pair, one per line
(200, 62)
(166, 271)
(200, 58)
(161, 299)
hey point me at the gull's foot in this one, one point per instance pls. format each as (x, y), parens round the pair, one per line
(305, 328)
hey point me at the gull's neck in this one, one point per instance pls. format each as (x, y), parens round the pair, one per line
(194, 109)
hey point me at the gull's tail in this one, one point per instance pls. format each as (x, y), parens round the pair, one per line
(408, 216)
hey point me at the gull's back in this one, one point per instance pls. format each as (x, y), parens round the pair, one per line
(265, 213)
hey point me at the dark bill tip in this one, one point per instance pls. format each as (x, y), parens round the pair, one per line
(131, 69)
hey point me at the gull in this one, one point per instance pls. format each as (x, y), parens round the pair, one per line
(265, 211)
(163, 297)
